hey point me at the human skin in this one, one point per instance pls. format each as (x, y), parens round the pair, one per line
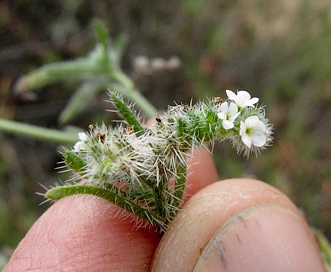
(238, 225)
(86, 233)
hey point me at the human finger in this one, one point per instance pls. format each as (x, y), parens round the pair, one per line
(84, 233)
(238, 225)
(201, 171)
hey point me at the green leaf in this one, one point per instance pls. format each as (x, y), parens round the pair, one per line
(81, 99)
(74, 162)
(119, 45)
(58, 71)
(57, 193)
(103, 38)
(127, 114)
(102, 33)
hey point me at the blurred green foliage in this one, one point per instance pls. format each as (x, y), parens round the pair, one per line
(277, 50)
(100, 70)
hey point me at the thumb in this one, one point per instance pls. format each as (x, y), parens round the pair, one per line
(238, 225)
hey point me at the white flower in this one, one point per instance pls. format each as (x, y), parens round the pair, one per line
(229, 113)
(81, 145)
(253, 132)
(82, 136)
(242, 98)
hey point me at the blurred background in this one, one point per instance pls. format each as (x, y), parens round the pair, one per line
(277, 50)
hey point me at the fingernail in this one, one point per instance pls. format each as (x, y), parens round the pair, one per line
(262, 238)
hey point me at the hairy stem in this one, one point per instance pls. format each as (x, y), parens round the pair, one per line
(179, 187)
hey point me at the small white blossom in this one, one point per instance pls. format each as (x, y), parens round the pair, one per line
(242, 98)
(229, 113)
(82, 136)
(253, 132)
(81, 145)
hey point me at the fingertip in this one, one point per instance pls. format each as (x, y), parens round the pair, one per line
(84, 233)
(184, 244)
(265, 237)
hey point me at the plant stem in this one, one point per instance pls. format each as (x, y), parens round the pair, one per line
(161, 196)
(143, 103)
(134, 95)
(179, 185)
(44, 134)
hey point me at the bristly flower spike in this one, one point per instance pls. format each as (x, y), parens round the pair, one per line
(143, 171)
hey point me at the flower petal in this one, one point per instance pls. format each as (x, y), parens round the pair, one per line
(258, 140)
(254, 100)
(247, 140)
(227, 124)
(221, 115)
(253, 131)
(231, 95)
(79, 146)
(242, 98)
(233, 109)
(224, 107)
(82, 136)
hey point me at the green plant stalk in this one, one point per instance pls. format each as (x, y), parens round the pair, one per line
(138, 99)
(31, 131)
(121, 78)
(161, 193)
(179, 187)
(57, 193)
